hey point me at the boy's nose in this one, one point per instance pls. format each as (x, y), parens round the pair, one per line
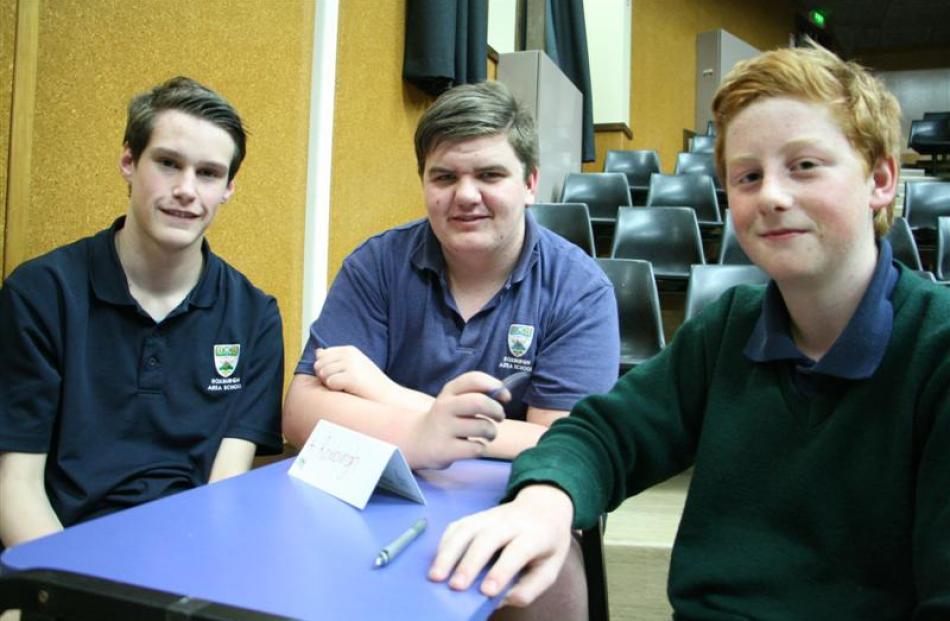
(467, 191)
(184, 190)
(773, 194)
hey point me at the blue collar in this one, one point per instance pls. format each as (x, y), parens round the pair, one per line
(856, 353)
(427, 255)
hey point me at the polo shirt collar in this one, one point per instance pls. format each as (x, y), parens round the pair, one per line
(859, 349)
(108, 279)
(428, 254)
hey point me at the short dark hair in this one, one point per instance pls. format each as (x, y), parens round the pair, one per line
(188, 96)
(475, 110)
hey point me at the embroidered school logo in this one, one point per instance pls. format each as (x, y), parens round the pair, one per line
(519, 339)
(226, 358)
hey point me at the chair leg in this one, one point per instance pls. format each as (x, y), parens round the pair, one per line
(592, 548)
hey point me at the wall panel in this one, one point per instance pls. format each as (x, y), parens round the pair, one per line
(8, 20)
(375, 183)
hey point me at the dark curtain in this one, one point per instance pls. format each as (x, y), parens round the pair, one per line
(565, 41)
(446, 43)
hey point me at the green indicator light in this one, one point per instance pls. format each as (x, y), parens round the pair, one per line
(817, 17)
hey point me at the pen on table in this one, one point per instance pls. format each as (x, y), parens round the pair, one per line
(390, 552)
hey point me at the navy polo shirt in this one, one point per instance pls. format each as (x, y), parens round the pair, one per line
(555, 317)
(127, 409)
(858, 350)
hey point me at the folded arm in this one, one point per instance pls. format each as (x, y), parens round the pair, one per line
(25, 510)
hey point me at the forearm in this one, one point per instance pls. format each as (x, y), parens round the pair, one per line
(25, 510)
(308, 402)
(234, 457)
(514, 436)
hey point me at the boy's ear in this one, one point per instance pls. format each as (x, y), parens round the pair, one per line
(126, 163)
(883, 182)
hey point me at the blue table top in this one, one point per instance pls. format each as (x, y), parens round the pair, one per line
(269, 542)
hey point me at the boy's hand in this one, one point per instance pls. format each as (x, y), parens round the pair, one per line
(532, 534)
(461, 422)
(347, 369)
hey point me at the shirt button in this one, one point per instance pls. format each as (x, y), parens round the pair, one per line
(152, 362)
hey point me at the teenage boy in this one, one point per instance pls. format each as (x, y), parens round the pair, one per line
(136, 363)
(424, 319)
(476, 286)
(816, 412)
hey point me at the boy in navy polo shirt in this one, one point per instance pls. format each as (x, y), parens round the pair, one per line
(136, 363)
(425, 318)
(816, 412)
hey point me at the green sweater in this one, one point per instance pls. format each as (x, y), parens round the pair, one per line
(835, 507)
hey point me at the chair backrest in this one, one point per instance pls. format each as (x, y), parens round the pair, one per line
(569, 220)
(697, 164)
(928, 136)
(668, 238)
(730, 252)
(638, 306)
(924, 202)
(702, 143)
(636, 165)
(936, 116)
(708, 282)
(903, 244)
(603, 193)
(710, 128)
(942, 260)
(695, 191)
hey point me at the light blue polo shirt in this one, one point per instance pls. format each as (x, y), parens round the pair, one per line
(858, 350)
(555, 317)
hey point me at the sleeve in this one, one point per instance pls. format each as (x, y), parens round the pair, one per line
(257, 415)
(30, 374)
(640, 433)
(581, 351)
(354, 313)
(931, 541)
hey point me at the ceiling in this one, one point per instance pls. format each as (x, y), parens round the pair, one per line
(861, 26)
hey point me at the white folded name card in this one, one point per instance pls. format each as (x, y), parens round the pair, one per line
(349, 465)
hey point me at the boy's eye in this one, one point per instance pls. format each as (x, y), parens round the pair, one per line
(167, 162)
(209, 172)
(491, 175)
(748, 177)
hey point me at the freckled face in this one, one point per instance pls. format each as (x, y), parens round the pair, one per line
(476, 194)
(179, 181)
(801, 197)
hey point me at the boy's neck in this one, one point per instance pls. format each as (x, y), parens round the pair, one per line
(158, 279)
(820, 311)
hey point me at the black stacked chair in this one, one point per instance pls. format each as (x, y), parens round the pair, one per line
(668, 238)
(942, 261)
(730, 252)
(708, 282)
(695, 191)
(931, 137)
(638, 306)
(924, 202)
(903, 244)
(569, 220)
(701, 164)
(603, 193)
(702, 143)
(637, 166)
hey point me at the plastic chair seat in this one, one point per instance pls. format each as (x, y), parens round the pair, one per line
(569, 220)
(667, 237)
(708, 282)
(638, 307)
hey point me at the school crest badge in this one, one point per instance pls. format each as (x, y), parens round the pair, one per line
(519, 339)
(226, 358)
